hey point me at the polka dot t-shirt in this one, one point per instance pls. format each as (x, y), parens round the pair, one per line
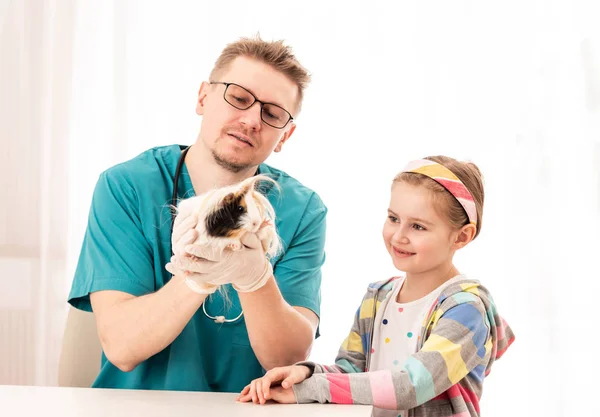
(397, 332)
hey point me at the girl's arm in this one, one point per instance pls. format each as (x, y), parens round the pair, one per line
(460, 343)
(351, 357)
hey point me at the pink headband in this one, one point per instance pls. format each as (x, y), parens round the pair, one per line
(448, 180)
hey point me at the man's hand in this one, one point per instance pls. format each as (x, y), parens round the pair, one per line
(247, 269)
(184, 231)
(184, 234)
(260, 390)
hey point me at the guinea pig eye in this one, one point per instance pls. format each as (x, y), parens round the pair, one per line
(241, 209)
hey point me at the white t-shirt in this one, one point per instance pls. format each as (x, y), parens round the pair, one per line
(398, 330)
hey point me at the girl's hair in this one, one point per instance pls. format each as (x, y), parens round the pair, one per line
(273, 53)
(447, 205)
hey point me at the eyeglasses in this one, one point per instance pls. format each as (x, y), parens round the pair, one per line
(242, 99)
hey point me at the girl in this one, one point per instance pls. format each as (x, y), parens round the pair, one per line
(421, 344)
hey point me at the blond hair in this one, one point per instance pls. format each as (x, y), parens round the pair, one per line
(448, 206)
(273, 53)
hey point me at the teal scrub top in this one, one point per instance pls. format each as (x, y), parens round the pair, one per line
(127, 244)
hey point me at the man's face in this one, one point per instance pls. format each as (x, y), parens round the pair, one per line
(240, 139)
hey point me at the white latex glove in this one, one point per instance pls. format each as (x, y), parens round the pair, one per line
(184, 233)
(247, 269)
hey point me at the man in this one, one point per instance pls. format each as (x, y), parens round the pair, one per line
(156, 330)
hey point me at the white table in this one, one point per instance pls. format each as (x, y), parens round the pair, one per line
(29, 401)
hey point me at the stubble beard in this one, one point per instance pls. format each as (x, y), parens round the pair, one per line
(227, 163)
(230, 166)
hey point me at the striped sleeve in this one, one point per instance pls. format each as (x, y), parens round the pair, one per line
(455, 347)
(351, 356)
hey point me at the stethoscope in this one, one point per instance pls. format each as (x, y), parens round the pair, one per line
(174, 198)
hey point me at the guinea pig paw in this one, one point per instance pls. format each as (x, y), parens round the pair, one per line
(235, 245)
(265, 223)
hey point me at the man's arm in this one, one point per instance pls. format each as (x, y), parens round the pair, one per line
(282, 332)
(133, 322)
(132, 329)
(279, 333)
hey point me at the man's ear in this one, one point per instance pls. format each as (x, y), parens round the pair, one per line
(202, 92)
(285, 137)
(464, 236)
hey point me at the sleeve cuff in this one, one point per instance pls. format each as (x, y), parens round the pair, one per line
(80, 294)
(310, 365)
(313, 389)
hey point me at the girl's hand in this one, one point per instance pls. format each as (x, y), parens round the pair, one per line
(259, 390)
(282, 395)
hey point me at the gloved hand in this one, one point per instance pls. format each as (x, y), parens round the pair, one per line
(184, 234)
(247, 269)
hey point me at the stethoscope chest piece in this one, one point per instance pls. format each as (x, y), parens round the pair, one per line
(220, 319)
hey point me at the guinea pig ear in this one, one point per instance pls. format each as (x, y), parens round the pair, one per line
(228, 199)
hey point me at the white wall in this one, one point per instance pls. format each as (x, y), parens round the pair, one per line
(513, 86)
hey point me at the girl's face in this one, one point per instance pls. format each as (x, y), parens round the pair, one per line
(417, 237)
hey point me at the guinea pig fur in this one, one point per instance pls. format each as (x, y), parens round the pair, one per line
(225, 214)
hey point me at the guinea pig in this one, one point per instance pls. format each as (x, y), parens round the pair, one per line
(226, 214)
